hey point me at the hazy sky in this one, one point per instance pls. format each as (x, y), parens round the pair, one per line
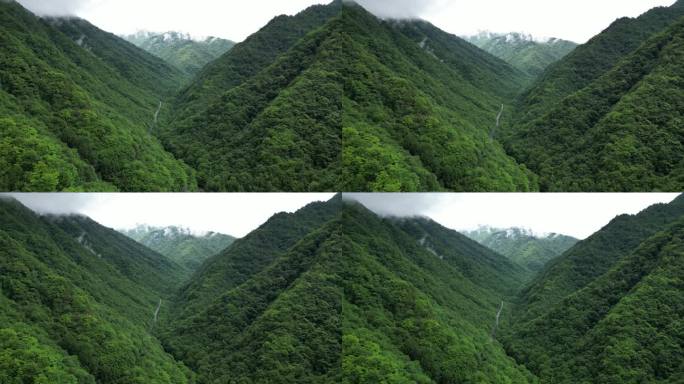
(577, 215)
(576, 20)
(232, 214)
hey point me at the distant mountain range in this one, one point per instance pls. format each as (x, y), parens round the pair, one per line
(181, 50)
(523, 246)
(180, 244)
(523, 51)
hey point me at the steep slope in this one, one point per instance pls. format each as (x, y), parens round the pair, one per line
(351, 299)
(181, 50)
(78, 107)
(248, 58)
(620, 133)
(522, 246)
(417, 305)
(523, 51)
(251, 254)
(78, 302)
(180, 244)
(592, 60)
(624, 327)
(355, 104)
(593, 257)
(147, 72)
(281, 325)
(421, 110)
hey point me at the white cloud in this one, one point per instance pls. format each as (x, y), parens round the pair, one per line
(56, 7)
(233, 214)
(578, 215)
(401, 8)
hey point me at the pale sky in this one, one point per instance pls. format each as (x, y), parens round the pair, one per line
(232, 214)
(576, 20)
(578, 215)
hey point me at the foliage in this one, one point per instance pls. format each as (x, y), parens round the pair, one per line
(78, 104)
(350, 298)
(592, 60)
(594, 256)
(355, 104)
(623, 327)
(621, 133)
(77, 303)
(419, 107)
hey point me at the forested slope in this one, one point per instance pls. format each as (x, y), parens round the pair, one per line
(356, 104)
(593, 59)
(348, 298)
(78, 109)
(248, 58)
(623, 325)
(607, 116)
(594, 256)
(418, 307)
(620, 133)
(421, 108)
(78, 302)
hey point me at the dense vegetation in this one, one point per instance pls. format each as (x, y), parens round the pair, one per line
(608, 116)
(77, 303)
(420, 109)
(77, 109)
(525, 248)
(522, 51)
(180, 244)
(591, 60)
(180, 50)
(594, 256)
(616, 315)
(339, 295)
(334, 98)
(335, 294)
(355, 104)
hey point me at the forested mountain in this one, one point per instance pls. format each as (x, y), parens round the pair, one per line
(593, 257)
(347, 101)
(78, 301)
(592, 60)
(609, 310)
(78, 109)
(522, 246)
(608, 116)
(523, 51)
(335, 294)
(335, 98)
(180, 244)
(339, 295)
(181, 50)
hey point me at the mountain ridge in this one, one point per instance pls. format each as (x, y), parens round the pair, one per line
(523, 246)
(180, 244)
(184, 51)
(524, 51)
